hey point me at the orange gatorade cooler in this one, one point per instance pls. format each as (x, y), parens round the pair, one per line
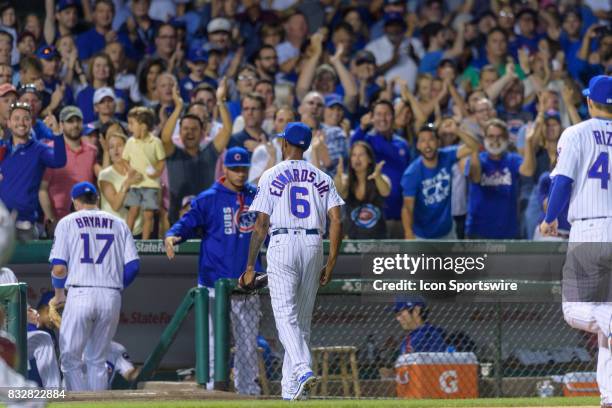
(580, 384)
(437, 375)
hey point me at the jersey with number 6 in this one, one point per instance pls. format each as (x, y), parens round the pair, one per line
(296, 195)
(584, 153)
(95, 246)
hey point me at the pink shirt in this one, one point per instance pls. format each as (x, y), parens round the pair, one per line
(79, 167)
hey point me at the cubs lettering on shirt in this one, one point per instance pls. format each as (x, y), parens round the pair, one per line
(436, 189)
(431, 189)
(238, 220)
(583, 154)
(492, 203)
(296, 195)
(95, 246)
(222, 215)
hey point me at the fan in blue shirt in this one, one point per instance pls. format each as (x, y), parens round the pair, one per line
(426, 184)
(389, 147)
(25, 162)
(196, 61)
(94, 40)
(494, 187)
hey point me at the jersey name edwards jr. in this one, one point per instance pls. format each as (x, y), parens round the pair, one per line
(297, 176)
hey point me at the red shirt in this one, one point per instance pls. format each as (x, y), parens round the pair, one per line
(79, 167)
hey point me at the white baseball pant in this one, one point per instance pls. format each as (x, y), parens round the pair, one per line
(42, 349)
(89, 323)
(294, 265)
(589, 258)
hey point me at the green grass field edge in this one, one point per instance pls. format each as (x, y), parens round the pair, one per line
(341, 403)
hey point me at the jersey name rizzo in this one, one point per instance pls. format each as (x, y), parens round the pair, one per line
(297, 176)
(602, 138)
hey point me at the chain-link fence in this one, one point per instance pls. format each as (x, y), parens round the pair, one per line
(489, 350)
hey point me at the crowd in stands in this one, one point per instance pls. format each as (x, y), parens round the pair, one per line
(437, 119)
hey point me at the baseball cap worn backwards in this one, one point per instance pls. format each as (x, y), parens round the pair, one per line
(237, 157)
(297, 134)
(600, 89)
(82, 188)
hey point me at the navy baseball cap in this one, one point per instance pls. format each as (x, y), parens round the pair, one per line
(197, 55)
(394, 18)
(237, 157)
(297, 134)
(64, 4)
(45, 298)
(408, 303)
(333, 100)
(600, 89)
(47, 53)
(82, 188)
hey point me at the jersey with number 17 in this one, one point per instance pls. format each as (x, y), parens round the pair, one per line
(296, 195)
(95, 246)
(584, 152)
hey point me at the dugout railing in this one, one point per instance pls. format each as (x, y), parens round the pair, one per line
(13, 298)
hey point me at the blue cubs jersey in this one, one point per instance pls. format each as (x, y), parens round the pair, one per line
(225, 225)
(426, 338)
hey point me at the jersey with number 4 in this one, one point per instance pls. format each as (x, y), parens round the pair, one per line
(95, 246)
(583, 154)
(296, 195)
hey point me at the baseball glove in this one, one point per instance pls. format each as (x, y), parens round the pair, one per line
(259, 281)
(55, 313)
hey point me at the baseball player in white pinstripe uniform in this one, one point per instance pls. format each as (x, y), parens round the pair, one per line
(95, 257)
(582, 177)
(294, 199)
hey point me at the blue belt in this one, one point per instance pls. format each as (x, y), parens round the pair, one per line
(94, 287)
(594, 218)
(286, 231)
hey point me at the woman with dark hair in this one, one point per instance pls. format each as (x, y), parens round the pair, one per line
(364, 189)
(146, 81)
(101, 74)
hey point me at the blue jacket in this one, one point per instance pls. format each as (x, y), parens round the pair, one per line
(22, 170)
(226, 224)
(426, 338)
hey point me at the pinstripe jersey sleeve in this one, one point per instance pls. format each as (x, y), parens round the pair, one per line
(568, 155)
(263, 202)
(60, 249)
(333, 198)
(131, 253)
